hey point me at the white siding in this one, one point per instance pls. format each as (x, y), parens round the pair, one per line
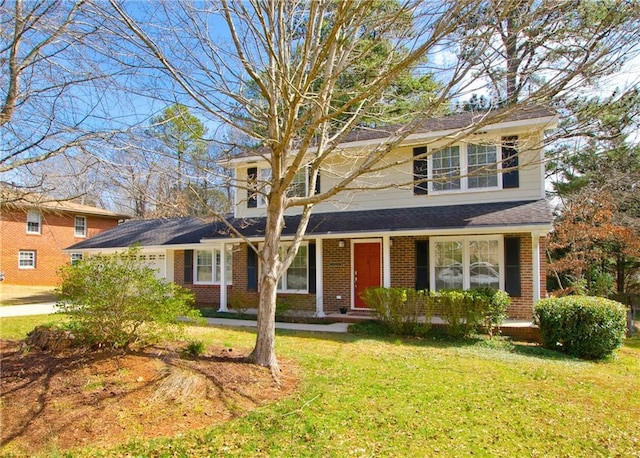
(531, 177)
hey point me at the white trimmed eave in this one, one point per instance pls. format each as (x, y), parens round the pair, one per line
(189, 246)
(536, 229)
(535, 124)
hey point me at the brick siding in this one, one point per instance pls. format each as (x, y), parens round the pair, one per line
(337, 277)
(57, 233)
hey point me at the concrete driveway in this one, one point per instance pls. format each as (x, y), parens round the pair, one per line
(28, 309)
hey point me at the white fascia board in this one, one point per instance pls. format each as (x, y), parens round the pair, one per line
(144, 249)
(544, 123)
(540, 230)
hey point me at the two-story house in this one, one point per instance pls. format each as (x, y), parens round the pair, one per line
(471, 213)
(34, 232)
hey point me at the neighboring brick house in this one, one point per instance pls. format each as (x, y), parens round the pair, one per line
(476, 216)
(33, 236)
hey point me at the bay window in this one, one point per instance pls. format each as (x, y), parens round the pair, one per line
(467, 262)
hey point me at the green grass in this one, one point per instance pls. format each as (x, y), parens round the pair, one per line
(16, 328)
(376, 396)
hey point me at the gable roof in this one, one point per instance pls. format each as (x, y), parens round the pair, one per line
(185, 231)
(150, 232)
(451, 122)
(17, 199)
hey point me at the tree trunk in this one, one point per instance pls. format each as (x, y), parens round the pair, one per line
(264, 353)
(620, 271)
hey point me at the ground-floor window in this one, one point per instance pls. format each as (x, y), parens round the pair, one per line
(26, 259)
(467, 262)
(296, 278)
(208, 266)
(76, 258)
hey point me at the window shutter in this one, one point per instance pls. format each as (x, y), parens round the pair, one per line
(252, 269)
(420, 172)
(512, 280)
(422, 264)
(317, 189)
(311, 250)
(252, 179)
(188, 266)
(510, 179)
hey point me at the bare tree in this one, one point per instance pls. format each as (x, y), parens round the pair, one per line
(291, 54)
(58, 90)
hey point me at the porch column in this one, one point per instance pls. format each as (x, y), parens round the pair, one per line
(319, 282)
(386, 261)
(535, 266)
(223, 278)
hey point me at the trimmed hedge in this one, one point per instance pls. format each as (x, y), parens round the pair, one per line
(583, 326)
(401, 310)
(405, 311)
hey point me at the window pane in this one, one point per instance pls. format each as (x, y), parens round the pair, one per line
(80, 226)
(33, 222)
(297, 272)
(298, 187)
(264, 186)
(27, 259)
(483, 166)
(204, 266)
(229, 265)
(484, 268)
(217, 270)
(448, 265)
(446, 169)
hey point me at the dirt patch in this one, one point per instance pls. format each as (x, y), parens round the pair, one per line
(72, 399)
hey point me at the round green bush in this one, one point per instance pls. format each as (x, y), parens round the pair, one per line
(583, 326)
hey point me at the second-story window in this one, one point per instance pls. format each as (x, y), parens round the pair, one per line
(464, 167)
(34, 222)
(80, 226)
(445, 169)
(482, 166)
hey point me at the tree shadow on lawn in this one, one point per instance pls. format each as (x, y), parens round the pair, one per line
(435, 337)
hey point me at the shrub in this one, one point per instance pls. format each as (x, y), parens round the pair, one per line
(494, 309)
(583, 326)
(401, 309)
(116, 301)
(460, 309)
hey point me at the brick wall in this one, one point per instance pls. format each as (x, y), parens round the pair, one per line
(336, 265)
(57, 233)
(337, 277)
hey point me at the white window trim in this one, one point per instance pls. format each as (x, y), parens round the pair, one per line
(29, 220)
(75, 227)
(75, 258)
(264, 174)
(283, 278)
(466, 284)
(464, 170)
(32, 258)
(215, 272)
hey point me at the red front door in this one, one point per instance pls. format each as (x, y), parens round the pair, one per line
(366, 269)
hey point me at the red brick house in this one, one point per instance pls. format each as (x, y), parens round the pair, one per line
(476, 215)
(33, 236)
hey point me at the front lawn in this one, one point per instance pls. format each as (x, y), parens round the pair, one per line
(362, 396)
